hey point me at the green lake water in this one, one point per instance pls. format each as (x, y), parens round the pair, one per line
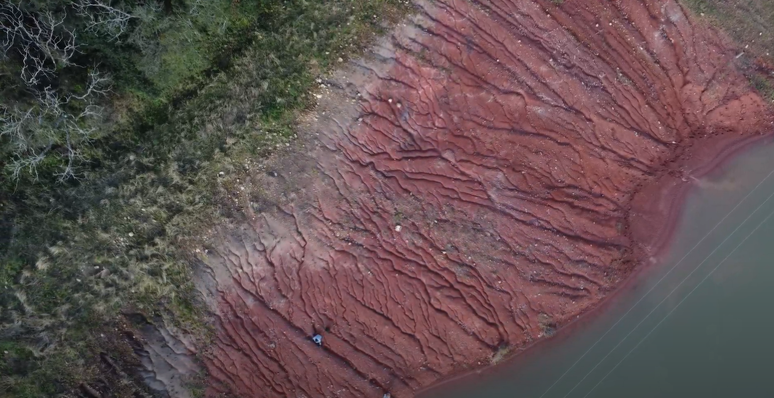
(699, 324)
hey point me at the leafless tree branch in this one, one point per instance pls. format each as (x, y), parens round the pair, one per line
(52, 123)
(104, 17)
(99, 84)
(43, 42)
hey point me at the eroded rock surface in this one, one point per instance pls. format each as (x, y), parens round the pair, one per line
(465, 189)
(167, 358)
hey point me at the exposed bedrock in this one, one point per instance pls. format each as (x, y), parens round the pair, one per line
(464, 189)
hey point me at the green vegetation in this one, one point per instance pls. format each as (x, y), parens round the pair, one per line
(751, 24)
(134, 148)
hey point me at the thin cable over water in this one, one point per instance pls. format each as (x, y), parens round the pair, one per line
(669, 295)
(656, 285)
(678, 304)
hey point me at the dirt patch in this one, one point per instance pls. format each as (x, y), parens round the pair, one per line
(466, 188)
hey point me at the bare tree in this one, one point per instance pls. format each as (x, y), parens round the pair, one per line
(43, 42)
(102, 17)
(48, 122)
(47, 125)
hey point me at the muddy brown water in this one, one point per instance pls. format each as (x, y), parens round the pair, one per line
(698, 324)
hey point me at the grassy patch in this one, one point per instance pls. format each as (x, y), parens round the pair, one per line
(751, 24)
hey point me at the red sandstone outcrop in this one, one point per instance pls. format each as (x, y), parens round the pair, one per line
(464, 189)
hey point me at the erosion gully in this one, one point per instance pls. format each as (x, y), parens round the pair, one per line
(697, 324)
(490, 172)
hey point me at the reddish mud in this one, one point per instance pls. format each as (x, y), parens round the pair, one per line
(493, 170)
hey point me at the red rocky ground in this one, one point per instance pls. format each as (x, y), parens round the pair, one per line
(466, 188)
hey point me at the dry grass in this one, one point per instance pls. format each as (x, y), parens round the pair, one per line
(751, 24)
(502, 353)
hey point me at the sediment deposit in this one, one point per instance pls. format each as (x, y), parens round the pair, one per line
(463, 191)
